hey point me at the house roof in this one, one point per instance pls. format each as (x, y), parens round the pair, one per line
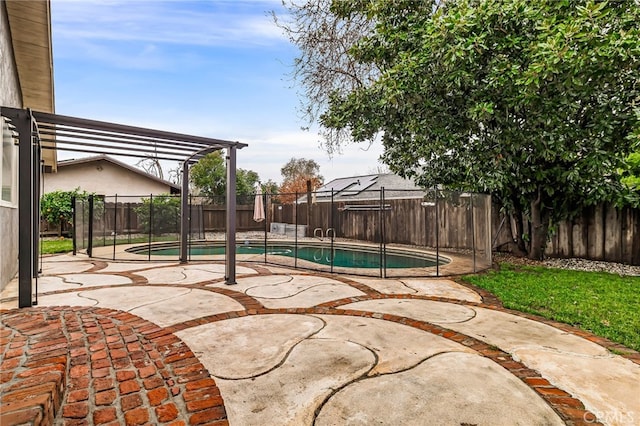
(104, 157)
(30, 29)
(367, 187)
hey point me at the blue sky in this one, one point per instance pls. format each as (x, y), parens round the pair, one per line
(217, 68)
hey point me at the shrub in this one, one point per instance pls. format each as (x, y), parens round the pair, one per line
(165, 215)
(56, 207)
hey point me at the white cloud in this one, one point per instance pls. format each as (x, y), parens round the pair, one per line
(166, 22)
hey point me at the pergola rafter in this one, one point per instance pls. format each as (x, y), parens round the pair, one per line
(39, 130)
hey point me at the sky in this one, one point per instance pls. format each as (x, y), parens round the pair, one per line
(213, 68)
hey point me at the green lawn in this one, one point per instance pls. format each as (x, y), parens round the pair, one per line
(607, 305)
(64, 245)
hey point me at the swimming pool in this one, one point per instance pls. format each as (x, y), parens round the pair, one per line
(322, 254)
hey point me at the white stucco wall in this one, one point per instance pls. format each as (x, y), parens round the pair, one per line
(9, 96)
(103, 178)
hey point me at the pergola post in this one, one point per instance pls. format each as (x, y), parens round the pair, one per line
(230, 266)
(184, 216)
(27, 192)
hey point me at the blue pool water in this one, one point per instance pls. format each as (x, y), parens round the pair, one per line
(341, 256)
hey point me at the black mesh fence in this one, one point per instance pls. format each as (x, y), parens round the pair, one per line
(381, 233)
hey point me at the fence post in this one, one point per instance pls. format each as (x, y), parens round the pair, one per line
(380, 229)
(190, 230)
(185, 219)
(84, 223)
(435, 192)
(266, 216)
(150, 223)
(309, 199)
(75, 224)
(384, 242)
(334, 231)
(90, 236)
(295, 223)
(473, 232)
(115, 224)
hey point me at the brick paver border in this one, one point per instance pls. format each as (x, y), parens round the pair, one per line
(93, 366)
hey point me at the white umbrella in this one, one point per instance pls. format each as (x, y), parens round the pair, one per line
(258, 207)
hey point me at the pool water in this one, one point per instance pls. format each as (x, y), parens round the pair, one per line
(342, 257)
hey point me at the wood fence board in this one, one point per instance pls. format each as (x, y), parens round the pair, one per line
(628, 230)
(612, 235)
(595, 232)
(635, 248)
(564, 238)
(578, 237)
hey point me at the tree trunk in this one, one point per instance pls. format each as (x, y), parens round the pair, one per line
(539, 229)
(520, 248)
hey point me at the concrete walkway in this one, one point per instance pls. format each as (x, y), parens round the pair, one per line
(139, 343)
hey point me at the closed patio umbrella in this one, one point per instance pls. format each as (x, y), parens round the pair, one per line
(258, 207)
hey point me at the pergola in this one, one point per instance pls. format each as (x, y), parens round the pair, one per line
(38, 131)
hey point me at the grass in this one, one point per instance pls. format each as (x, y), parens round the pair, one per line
(63, 245)
(604, 304)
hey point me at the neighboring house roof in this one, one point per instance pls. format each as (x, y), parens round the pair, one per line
(367, 187)
(102, 157)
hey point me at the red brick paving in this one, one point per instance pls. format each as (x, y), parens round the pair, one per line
(81, 366)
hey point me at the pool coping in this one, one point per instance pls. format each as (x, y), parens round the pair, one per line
(459, 264)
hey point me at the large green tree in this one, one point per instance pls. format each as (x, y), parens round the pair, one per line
(535, 102)
(209, 177)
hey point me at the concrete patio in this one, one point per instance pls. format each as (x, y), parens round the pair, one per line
(164, 343)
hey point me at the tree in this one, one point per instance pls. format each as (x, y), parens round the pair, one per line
(534, 102)
(296, 172)
(300, 168)
(57, 209)
(270, 187)
(209, 177)
(246, 182)
(159, 214)
(324, 65)
(152, 166)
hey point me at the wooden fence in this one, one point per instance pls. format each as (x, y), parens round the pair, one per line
(450, 223)
(601, 232)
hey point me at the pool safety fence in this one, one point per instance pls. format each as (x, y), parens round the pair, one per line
(329, 231)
